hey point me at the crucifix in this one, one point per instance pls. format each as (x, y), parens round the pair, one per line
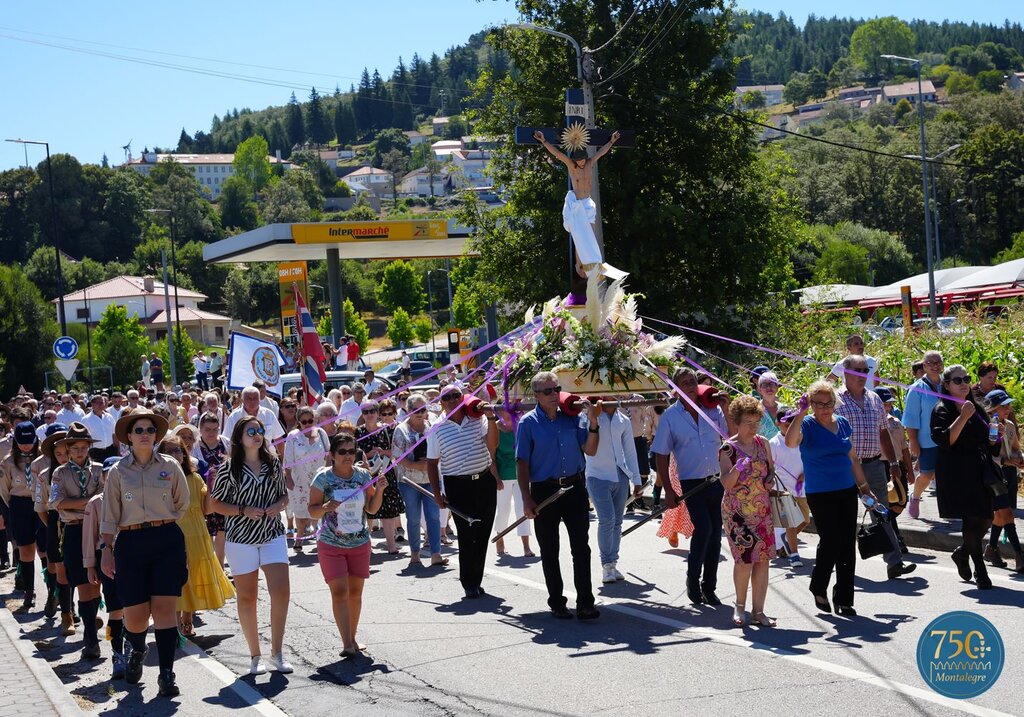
(583, 146)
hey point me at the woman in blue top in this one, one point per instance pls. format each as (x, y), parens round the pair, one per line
(831, 472)
(342, 496)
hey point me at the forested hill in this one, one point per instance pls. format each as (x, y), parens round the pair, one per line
(423, 87)
(774, 47)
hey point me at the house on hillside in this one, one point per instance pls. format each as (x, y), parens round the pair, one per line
(443, 149)
(908, 91)
(471, 165)
(439, 125)
(415, 138)
(772, 94)
(210, 170)
(143, 297)
(378, 181)
(417, 183)
(1016, 81)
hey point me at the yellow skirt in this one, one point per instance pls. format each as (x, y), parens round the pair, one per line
(208, 588)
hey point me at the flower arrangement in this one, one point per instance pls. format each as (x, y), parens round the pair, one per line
(607, 347)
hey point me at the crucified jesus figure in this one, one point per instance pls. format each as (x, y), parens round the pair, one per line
(579, 211)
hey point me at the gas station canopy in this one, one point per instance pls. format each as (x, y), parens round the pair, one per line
(395, 239)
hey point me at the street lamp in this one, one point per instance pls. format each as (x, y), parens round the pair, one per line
(932, 309)
(56, 236)
(174, 269)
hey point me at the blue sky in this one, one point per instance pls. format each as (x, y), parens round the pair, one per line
(87, 104)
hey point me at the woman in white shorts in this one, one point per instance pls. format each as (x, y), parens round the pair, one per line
(306, 451)
(250, 492)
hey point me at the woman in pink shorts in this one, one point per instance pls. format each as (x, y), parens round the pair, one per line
(342, 496)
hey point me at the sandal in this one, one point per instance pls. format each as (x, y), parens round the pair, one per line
(529, 554)
(761, 619)
(187, 630)
(739, 615)
(442, 561)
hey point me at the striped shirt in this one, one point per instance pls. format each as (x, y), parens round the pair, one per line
(867, 419)
(460, 448)
(251, 491)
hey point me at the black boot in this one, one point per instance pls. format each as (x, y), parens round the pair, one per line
(694, 592)
(28, 603)
(168, 688)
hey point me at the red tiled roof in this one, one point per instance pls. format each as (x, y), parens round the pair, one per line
(186, 314)
(125, 287)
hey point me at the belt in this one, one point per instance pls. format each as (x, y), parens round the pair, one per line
(147, 524)
(72, 522)
(465, 476)
(706, 479)
(872, 459)
(563, 481)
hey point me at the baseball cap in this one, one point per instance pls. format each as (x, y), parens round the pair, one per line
(998, 397)
(110, 463)
(884, 393)
(25, 433)
(758, 370)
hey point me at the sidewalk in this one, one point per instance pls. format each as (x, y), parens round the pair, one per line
(28, 687)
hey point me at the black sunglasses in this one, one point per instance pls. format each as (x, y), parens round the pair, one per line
(387, 413)
(369, 410)
(451, 397)
(548, 391)
(305, 423)
(255, 431)
(139, 430)
(958, 380)
(345, 452)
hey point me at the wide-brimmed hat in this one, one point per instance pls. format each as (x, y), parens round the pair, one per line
(54, 432)
(124, 424)
(77, 432)
(182, 427)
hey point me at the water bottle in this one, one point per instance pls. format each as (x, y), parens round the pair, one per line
(871, 504)
(993, 431)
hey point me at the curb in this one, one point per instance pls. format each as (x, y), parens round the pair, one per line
(940, 540)
(52, 687)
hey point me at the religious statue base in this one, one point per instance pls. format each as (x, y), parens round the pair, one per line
(579, 383)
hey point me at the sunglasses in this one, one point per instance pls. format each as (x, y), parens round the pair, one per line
(449, 397)
(255, 431)
(369, 410)
(139, 430)
(548, 391)
(345, 452)
(387, 413)
(305, 423)
(958, 380)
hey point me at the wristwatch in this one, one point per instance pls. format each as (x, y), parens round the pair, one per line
(593, 429)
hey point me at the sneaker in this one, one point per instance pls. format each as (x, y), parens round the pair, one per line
(168, 688)
(587, 613)
(795, 561)
(607, 573)
(67, 624)
(400, 535)
(133, 670)
(914, 507)
(618, 576)
(117, 663)
(279, 664)
(256, 666)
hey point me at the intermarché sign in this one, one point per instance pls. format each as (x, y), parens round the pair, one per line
(399, 230)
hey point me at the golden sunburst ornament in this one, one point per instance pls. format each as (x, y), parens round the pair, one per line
(575, 137)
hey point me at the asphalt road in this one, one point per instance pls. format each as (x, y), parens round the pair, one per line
(651, 653)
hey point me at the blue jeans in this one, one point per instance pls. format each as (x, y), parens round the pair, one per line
(609, 499)
(417, 504)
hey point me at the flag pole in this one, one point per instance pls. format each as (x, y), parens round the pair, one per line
(300, 343)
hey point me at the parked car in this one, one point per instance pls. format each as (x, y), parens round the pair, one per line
(335, 379)
(436, 357)
(393, 371)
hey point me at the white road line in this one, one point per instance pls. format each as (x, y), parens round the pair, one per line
(628, 607)
(243, 689)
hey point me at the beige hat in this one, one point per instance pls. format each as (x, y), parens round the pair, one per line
(76, 433)
(124, 424)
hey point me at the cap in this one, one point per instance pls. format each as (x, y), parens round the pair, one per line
(884, 393)
(758, 370)
(110, 463)
(25, 433)
(998, 397)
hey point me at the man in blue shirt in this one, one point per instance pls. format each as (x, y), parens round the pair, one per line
(917, 419)
(550, 446)
(695, 444)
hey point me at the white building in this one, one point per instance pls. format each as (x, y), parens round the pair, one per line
(772, 94)
(472, 166)
(908, 91)
(439, 124)
(443, 150)
(415, 137)
(417, 183)
(210, 170)
(378, 181)
(143, 297)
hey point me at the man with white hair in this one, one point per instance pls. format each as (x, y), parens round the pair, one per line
(324, 412)
(49, 417)
(133, 399)
(251, 407)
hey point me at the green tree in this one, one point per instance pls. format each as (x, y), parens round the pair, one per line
(388, 140)
(842, 262)
(125, 200)
(401, 288)
(184, 350)
(355, 326)
(423, 327)
(283, 202)
(120, 340)
(798, 89)
(317, 127)
(902, 109)
(842, 73)
(252, 162)
(817, 83)
(400, 328)
(959, 83)
(28, 329)
(295, 125)
(752, 100)
(398, 164)
(345, 125)
(237, 208)
(1016, 250)
(883, 35)
(990, 81)
(307, 186)
(18, 220)
(467, 306)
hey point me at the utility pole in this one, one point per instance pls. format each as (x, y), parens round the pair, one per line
(588, 99)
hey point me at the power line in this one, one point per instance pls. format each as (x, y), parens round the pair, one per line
(618, 32)
(643, 39)
(662, 34)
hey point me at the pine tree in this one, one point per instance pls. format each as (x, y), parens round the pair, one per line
(105, 163)
(317, 128)
(184, 142)
(401, 110)
(382, 104)
(362, 103)
(345, 124)
(296, 126)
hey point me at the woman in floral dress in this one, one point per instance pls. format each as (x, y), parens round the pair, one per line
(375, 440)
(746, 467)
(306, 451)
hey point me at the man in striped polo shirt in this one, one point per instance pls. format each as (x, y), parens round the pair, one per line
(461, 449)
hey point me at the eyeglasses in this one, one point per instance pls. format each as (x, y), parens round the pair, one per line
(255, 431)
(823, 404)
(139, 430)
(859, 369)
(933, 362)
(547, 391)
(369, 410)
(387, 413)
(958, 380)
(345, 452)
(449, 397)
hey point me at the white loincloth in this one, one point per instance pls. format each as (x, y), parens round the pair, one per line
(578, 216)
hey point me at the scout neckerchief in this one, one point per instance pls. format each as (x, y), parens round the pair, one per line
(82, 475)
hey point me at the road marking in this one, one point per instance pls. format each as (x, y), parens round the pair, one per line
(627, 607)
(241, 688)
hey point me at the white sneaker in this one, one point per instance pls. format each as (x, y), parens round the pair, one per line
(279, 664)
(256, 666)
(608, 573)
(615, 571)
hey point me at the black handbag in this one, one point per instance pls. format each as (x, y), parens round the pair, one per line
(991, 476)
(872, 539)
